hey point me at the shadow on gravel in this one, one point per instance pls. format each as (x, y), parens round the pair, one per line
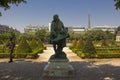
(89, 71)
(33, 71)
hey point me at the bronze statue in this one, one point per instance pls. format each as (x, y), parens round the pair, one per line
(58, 37)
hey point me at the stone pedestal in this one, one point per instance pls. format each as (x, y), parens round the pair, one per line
(58, 68)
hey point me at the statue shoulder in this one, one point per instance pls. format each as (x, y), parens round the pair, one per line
(61, 22)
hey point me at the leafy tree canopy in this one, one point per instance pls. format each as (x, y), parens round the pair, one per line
(117, 4)
(118, 29)
(95, 35)
(5, 4)
(41, 34)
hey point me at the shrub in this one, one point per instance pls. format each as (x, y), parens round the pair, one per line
(105, 43)
(5, 47)
(33, 44)
(20, 55)
(80, 54)
(40, 50)
(74, 44)
(89, 47)
(32, 56)
(79, 44)
(1, 50)
(108, 55)
(40, 44)
(23, 47)
(4, 55)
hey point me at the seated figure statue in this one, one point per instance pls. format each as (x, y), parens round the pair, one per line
(58, 37)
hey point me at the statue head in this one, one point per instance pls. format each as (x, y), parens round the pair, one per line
(55, 17)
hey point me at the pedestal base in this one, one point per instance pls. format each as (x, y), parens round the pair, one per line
(58, 68)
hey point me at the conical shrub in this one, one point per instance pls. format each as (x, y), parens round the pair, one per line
(5, 46)
(89, 47)
(80, 44)
(104, 43)
(33, 44)
(40, 44)
(23, 46)
(74, 43)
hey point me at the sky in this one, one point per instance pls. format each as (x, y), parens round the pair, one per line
(71, 13)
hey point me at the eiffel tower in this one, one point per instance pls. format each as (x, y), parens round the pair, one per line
(89, 26)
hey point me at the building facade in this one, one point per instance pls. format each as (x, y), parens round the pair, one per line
(118, 36)
(77, 29)
(112, 29)
(33, 28)
(5, 29)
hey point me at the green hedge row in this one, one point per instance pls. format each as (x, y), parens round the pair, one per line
(101, 53)
(108, 55)
(1, 50)
(26, 55)
(23, 55)
(4, 55)
(108, 50)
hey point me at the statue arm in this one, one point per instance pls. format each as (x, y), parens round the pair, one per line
(62, 27)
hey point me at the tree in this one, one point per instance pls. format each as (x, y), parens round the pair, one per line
(28, 36)
(11, 33)
(118, 28)
(117, 4)
(5, 46)
(8, 34)
(5, 4)
(109, 35)
(95, 35)
(75, 35)
(41, 34)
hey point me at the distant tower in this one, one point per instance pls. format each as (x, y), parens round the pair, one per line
(89, 26)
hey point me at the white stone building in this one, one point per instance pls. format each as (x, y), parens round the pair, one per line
(118, 36)
(33, 28)
(112, 29)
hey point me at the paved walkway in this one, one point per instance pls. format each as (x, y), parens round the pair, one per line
(86, 69)
(44, 57)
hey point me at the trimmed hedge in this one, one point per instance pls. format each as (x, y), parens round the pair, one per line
(26, 55)
(23, 55)
(4, 55)
(1, 50)
(33, 44)
(74, 44)
(23, 47)
(108, 55)
(20, 55)
(32, 55)
(101, 53)
(108, 50)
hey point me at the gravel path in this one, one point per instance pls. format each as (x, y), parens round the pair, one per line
(87, 69)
